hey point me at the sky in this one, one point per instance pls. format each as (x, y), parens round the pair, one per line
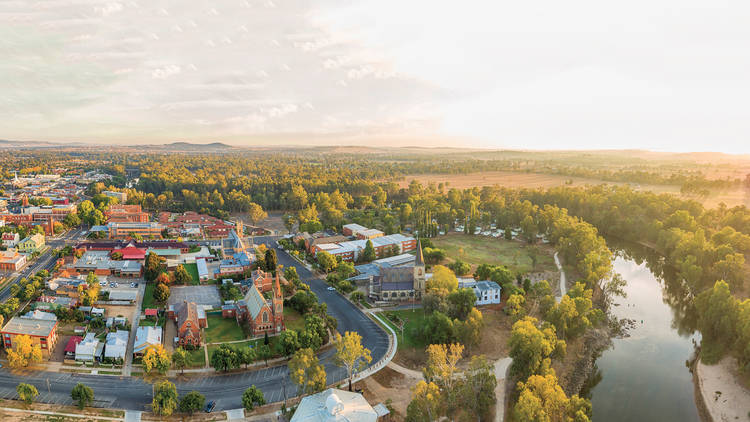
(668, 75)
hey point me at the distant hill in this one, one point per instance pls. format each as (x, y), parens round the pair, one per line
(189, 146)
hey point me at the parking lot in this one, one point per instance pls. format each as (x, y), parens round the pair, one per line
(201, 295)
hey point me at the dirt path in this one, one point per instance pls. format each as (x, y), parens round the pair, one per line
(563, 281)
(501, 373)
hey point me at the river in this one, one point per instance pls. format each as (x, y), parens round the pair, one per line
(643, 377)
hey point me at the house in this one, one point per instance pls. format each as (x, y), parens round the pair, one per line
(190, 318)
(146, 337)
(151, 312)
(70, 347)
(334, 405)
(51, 303)
(43, 332)
(263, 316)
(31, 244)
(262, 279)
(10, 239)
(87, 350)
(487, 292)
(128, 296)
(116, 343)
(11, 260)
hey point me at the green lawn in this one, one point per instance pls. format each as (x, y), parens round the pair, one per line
(222, 329)
(293, 320)
(196, 358)
(192, 269)
(241, 345)
(148, 297)
(413, 318)
(495, 251)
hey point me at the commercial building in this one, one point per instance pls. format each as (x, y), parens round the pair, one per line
(194, 224)
(393, 244)
(125, 230)
(43, 332)
(126, 214)
(100, 263)
(11, 260)
(31, 244)
(120, 196)
(10, 239)
(353, 229)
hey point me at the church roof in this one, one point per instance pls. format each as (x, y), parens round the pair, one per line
(420, 257)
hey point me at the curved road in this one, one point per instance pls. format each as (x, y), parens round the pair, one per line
(135, 394)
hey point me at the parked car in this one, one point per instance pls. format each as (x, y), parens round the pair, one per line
(133, 285)
(210, 406)
(331, 288)
(103, 283)
(112, 284)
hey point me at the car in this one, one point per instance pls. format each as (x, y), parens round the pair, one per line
(210, 406)
(103, 283)
(331, 289)
(132, 285)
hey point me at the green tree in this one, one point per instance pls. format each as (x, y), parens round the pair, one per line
(152, 267)
(181, 276)
(246, 356)
(224, 358)
(529, 229)
(180, 359)
(83, 395)
(477, 388)
(531, 348)
(326, 261)
(161, 293)
(717, 319)
(270, 260)
(307, 372)
(252, 397)
(461, 303)
(368, 254)
(191, 402)
(26, 392)
(165, 398)
(288, 342)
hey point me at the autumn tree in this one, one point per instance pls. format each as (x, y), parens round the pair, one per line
(575, 312)
(542, 399)
(165, 398)
(82, 394)
(307, 372)
(152, 267)
(256, 213)
(326, 261)
(425, 403)
(442, 279)
(156, 359)
(180, 359)
(531, 347)
(441, 369)
(161, 293)
(350, 354)
(23, 352)
(181, 276)
(26, 392)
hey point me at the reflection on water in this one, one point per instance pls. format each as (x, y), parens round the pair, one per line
(644, 377)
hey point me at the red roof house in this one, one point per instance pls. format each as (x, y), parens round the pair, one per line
(151, 312)
(70, 348)
(131, 253)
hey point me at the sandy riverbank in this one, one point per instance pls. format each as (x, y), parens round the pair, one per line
(724, 398)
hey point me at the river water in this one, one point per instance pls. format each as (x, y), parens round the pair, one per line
(643, 377)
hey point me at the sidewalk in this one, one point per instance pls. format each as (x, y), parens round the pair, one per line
(67, 415)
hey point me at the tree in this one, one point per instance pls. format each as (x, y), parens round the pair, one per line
(326, 261)
(345, 269)
(529, 229)
(442, 278)
(459, 267)
(531, 347)
(152, 267)
(477, 389)
(717, 318)
(425, 403)
(26, 392)
(470, 330)
(288, 342)
(191, 402)
(289, 221)
(224, 358)
(165, 398)
(256, 213)
(461, 303)
(246, 356)
(23, 352)
(181, 276)
(514, 306)
(180, 359)
(161, 293)
(252, 397)
(83, 394)
(441, 364)
(307, 372)
(270, 260)
(156, 359)
(575, 312)
(350, 353)
(542, 399)
(368, 254)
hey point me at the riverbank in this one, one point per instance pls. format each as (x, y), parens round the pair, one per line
(722, 395)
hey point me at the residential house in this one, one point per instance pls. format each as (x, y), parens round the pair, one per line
(70, 347)
(10, 239)
(43, 332)
(116, 344)
(146, 337)
(89, 349)
(487, 292)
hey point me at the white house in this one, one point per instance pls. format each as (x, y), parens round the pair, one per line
(116, 344)
(334, 405)
(10, 239)
(146, 337)
(86, 349)
(488, 292)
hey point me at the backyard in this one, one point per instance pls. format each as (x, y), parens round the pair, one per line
(221, 330)
(475, 250)
(192, 269)
(148, 297)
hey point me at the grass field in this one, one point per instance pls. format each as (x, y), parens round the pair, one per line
(477, 250)
(192, 269)
(243, 344)
(196, 358)
(148, 297)
(221, 329)
(413, 319)
(293, 320)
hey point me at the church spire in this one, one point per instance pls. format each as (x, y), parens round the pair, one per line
(420, 257)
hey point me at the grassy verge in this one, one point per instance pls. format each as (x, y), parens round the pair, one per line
(221, 330)
(196, 358)
(148, 297)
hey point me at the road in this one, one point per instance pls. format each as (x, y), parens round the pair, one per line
(135, 394)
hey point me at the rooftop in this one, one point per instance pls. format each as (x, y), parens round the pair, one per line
(28, 326)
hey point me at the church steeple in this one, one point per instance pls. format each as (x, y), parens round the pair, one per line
(420, 257)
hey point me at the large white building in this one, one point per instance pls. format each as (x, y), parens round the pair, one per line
(488, 292)
(334, 405)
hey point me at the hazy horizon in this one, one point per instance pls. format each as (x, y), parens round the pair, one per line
(659, 76)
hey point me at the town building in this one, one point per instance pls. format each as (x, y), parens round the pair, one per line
(365, 272)
(190, 318)
(392, 244)
(43, 332)
(264, 316)
(10, 239)
(399, 283)
(115, 344)
(89, 349)
(11, 260)
(192, 223)
(100, 263)
(130, 230)
(146, 337)
(353, 229)
(487, 292)
(113, 245)
(31, 244)
(120, 196)
(202, 267)
(370, 234)
(126, 214)
(335, 405)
